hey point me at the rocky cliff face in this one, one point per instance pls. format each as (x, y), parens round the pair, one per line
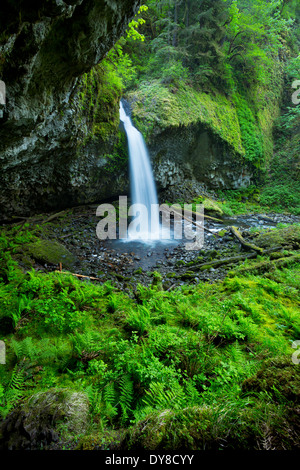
(191, 136)
(195, 153)
(43, 50)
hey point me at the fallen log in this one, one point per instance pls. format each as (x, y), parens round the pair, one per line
(34, 220)
(231, 260)
(79, 275)
(53, 216)
(243, 242)
(195, 214)
(269, 265)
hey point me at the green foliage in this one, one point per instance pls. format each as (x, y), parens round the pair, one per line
(289, 120)
(252, 138)
(155, 354)
(228, 48)
(132, 31)
(100, 93)
(155, 106)
(9, 243)
(12, 392)
(293, 67)
(282, 186)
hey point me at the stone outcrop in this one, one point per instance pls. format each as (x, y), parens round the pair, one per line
(192, 136)
(194, 153)
(43, 51)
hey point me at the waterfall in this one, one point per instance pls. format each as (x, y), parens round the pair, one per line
(143, 190)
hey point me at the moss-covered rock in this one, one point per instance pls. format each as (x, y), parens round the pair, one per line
(190, 428)
(288, 236)
(212, 207)
(192, 136)
(211, 428)
(156, 108)
(50, 252)
(279, 377)
(45, 421)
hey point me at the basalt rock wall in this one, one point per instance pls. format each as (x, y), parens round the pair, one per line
(45, 46)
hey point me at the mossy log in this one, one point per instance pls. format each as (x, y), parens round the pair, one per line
(287, 236)
(195, 214)
(231, 260)
(243, 242)
(269, 265)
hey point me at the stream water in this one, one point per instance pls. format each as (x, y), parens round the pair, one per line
(134, 261)
(147, 248)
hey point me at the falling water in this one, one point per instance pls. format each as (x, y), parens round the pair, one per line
(143, 190)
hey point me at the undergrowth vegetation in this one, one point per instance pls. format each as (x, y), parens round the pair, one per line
(192, 351)
(200, 366)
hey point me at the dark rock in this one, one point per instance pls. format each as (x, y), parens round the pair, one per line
(44, 420)
(44, 51)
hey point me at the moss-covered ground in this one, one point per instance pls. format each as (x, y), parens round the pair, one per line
(205, 366)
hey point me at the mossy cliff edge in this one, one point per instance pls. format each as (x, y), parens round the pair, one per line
(223, 141)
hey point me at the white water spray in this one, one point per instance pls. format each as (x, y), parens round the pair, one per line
(143, 190)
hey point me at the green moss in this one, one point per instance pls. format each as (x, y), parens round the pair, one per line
(212, 207)
(251, 133)
(138, 271)
(281, 189)
(156, 107)
(206, 267)
(222, 233)
(52, 252)
(172, 275)
(190, 428)
(277, 377)
(49, 416)
(287, 236)
(213, 428)
(180, 262)
(100, 91)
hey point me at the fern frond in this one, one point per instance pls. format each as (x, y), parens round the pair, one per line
(109, 393)
(126, 391)
(14, 391)
(160, 397)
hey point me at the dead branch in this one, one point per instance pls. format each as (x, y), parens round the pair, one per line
(79, 275)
